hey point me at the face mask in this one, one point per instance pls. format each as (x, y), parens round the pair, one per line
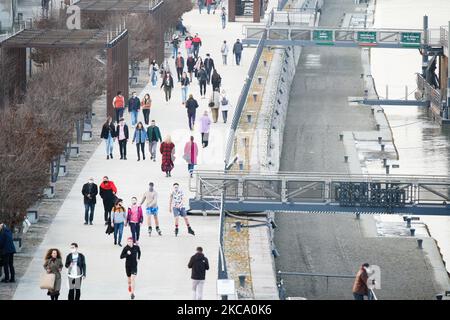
(134, 202)
(150, 189)
(90, 181)
(105, 182)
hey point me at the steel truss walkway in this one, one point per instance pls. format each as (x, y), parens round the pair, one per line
(346, 37)
(322, 193)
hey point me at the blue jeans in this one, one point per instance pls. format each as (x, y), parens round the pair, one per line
(109, 145)
(191, 168)
(89, 207)
(134, 117)
(118, 228)
(184, 92)
(200, 6)
(135, 229)
(358, 296)
(223, 22)
(154, 78)
(175, 51)
(208, 8)
(238, 58)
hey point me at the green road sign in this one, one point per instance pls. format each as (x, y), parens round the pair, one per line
(411, 37)
(367, 36)
(323, 35)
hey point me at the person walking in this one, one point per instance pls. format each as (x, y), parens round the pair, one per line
(53, 264)
(140, 136)
(150, 198)
(179, 64)
(118, 220)
(175, 45)
(208, 5)
(216, 80)
(135, 219)
(176, 204)
(214, 101)
(146, 104)
(202, 79)
(224, 50)
(209, 66)
(185, 82)
(7, 251)
(223, 16)
(196, 43)
(190, 63)
(132, 254)
(237, 51)
(153, 136)
(198, 66)
(205, 124)
(167, 84)
(134, 105)
(76, 263)
(89, 191)
(224, 105)
(360, 286)
(109, 134)
(167, 150)
(200, 5)
(154, 73)
(199, 264)
(108, 191)
(122, 135)
(188, 44)
(119, 105)
(191, 106)
(190, 154)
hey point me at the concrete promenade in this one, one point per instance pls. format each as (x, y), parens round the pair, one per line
(162, 271)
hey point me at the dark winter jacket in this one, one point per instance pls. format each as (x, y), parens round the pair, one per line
(107, 192)
(92, 190)
(209, 63)
(150, 131)
(216, 81)
(106, 129)
(181, 63)
(6, 241)
(199, 264)
(201, 75)
(134, 104)
(191, 105)
(185, 81)
(132, 259)
(237, 48)
(163, 84)
(190, 62)
(81, 262)
(125, 130)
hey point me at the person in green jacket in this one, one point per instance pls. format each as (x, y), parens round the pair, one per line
(153, 135)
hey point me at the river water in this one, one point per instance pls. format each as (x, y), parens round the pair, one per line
(423, 146)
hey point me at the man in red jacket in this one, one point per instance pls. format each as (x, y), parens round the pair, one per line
(196, 43)
(108, 192)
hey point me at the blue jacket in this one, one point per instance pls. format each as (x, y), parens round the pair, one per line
(140, 136)
(6, 241)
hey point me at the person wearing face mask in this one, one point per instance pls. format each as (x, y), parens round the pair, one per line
(151, 199)
(118, 220)
(135, 219)
(132, 254)
(53, 264)
(89, 191)
(108, 192)
(122, 135)
(76, 263)
(134, 105)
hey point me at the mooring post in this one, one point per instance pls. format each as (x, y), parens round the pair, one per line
(425, 47)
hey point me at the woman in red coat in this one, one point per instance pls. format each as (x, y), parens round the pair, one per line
(167, 150)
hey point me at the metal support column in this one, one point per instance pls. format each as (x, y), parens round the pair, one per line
(448, 79)
(425, 47)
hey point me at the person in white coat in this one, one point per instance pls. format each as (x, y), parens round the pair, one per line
(224, 50)
(224, 105)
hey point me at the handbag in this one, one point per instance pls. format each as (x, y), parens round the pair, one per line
(211, 104)
(47, 281)
(109, 228)
(187, 157)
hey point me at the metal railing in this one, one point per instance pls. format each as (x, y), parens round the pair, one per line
(371, 295)
(243, 97)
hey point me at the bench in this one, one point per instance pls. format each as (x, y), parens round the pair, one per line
(75, 150)
(49, 192)
(33, 215)
(62, 170)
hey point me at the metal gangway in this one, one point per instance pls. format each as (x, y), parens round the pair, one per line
(321, 193)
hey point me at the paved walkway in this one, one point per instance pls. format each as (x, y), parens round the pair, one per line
(162, 271)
